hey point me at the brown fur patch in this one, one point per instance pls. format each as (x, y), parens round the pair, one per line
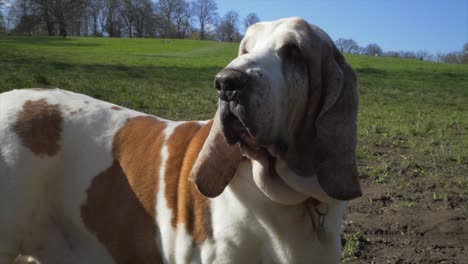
(116, 108)
(192, 209)
(121, 201)
(39, 126)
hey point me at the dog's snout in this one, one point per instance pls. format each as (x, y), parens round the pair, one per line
(229, 82)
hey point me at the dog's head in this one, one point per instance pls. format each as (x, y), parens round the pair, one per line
(288, 96)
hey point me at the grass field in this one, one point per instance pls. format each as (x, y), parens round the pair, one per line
(413, 123)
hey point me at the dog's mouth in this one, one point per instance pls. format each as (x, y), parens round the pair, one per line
(238, 129)
(235, 130)
(264, 156)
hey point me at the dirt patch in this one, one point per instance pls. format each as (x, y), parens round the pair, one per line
(414, 216)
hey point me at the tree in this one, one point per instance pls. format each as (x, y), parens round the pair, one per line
(205, 12)
(145, 19)
(112, 22)
(451, 57)
(10, 17)
(46, 15)
(456, 56)
(95, 13)
(130, 10)
(250, 19)
(25, 14)
(347, 45)
(228, 28)
(464, 54)
(66, 14)
(165, 9)
(424, 55)
(408, 55)
(374, 50)
(2, 18)
(392, 54)
(182, 16)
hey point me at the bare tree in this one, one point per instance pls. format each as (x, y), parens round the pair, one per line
(205, 12)
(112, 23)
(393, 54)
(347, 45)
(66, 14)
(47, 16)
(182, 16)
(10, 17)
(2, 18)
(455, 57)
(228, 28)
(374, 50)
(129, 12)
(464, 54)
(25, 14)
(424, 55)
(144, 20)
(408, 55)
(250, 19)
(451, 57)
(165, 9)
(95, 12)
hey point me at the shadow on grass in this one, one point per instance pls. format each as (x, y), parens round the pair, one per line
(371, 70)
(172, 73)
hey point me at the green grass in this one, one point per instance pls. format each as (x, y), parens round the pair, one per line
(152, 75)
(413, 118)
(353, 245)
(413, 115)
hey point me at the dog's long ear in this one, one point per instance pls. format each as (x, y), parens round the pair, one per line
(325, 142)
(216, 164)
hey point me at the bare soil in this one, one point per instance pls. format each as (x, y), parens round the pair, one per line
(412, 218)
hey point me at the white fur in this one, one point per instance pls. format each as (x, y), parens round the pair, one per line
(40, 197)
(164, 214)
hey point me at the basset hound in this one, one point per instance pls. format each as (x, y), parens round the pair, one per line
(265, 181)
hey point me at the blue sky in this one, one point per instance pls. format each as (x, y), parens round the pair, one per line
(412, 25)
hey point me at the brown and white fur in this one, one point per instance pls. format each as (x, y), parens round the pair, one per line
(86, 181)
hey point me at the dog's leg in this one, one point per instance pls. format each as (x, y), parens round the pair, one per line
(10, 243)
(22, 200)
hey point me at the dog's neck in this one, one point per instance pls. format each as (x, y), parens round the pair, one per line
(288, 233)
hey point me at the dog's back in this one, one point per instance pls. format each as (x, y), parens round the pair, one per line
(79, 177)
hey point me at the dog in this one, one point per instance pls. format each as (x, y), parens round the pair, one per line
(266, 180)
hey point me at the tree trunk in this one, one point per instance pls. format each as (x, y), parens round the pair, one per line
(130, 31)
(202, 30)
(62, 27)
(95, 25)
(49, 23)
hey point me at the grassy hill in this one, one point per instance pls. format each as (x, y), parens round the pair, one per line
(413, 123)
(152, 75)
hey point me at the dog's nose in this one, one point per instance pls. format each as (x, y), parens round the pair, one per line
(229, 83)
